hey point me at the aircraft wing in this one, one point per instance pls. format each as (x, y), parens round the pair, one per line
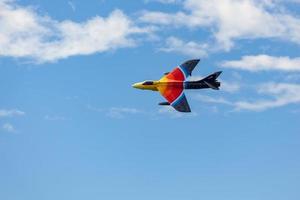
(171, 87)
(188, 66)
(176, 97)
(181, 72)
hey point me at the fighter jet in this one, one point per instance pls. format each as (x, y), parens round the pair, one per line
(172, 85)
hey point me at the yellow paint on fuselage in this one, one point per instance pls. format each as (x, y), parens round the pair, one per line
(152, 87)
(160, 85)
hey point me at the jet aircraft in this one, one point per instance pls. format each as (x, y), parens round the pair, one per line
(172, 85)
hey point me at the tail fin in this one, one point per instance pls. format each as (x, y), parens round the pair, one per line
(211, 80)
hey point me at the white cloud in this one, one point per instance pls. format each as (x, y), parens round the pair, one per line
(190, 48)
(232, 19)
(164, 1)
(264, 62)
(281, 94)
(230, 87)
(11, 113)
(27, 34)
(275, 95)
(177, 19)
(9, 127)
(208, 99)
(289, 1)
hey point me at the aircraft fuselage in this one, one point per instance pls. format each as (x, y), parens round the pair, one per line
(172, 85)
(153, 85)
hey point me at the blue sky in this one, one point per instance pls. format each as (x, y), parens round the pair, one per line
(72, 127)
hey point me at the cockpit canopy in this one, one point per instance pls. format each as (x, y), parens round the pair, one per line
(148, 83)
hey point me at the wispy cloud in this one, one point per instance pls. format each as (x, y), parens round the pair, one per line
(25, 33)
(117, 112)
(95, 109)
(72, 5)
(208, 99)
(230, 87)
(226, 86)
(269, 95)
(164, 1)
(170, 112)
(263, 63)
(281, 94)
(292, 77)
(11, 113)
(8, 127)
(189, 48)
(55, 118)
(120, 112)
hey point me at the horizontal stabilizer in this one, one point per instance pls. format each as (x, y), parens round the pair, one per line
(214, 85)
(211, 80)
(212, 77)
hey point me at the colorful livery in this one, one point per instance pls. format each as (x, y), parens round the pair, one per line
(172, 85)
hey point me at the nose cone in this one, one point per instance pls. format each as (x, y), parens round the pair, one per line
(136, 85)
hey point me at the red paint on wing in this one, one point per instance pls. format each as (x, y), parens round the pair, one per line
(176, 74)
(172, 93)
(174, 85)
